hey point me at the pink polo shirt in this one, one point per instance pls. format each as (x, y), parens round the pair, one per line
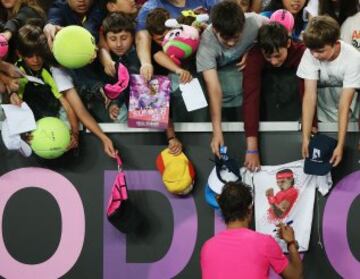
(241, 253)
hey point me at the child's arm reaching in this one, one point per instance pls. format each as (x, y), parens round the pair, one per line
(73, 122)
(165, 61)
(107, 62)
(308, 111)
(105, 57)
(346, 97)
(15, 99)
(175, 146)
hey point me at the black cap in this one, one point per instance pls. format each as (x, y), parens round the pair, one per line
(321, 148)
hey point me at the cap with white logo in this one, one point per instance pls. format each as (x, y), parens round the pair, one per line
(321, 148)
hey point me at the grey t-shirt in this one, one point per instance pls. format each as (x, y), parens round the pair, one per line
(212, 54)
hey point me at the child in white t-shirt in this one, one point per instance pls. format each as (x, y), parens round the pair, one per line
(331, 70)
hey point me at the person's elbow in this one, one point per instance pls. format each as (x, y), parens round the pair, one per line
(294, 270)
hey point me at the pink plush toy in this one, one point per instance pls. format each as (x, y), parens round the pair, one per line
(181, 42)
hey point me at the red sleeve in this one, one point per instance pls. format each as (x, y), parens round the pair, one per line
(251, 91)
(292, 195)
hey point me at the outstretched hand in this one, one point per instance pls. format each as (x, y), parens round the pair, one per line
(336, 156)
(252, 161)
(216, 141)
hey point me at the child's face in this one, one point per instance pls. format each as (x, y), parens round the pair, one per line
(228, 42)
(293, 6)
(34, 62)
(124, 6)
(158, 38)
(277, 58)
(326, 53)
(8, 4)
(80, 6)
(119, 43)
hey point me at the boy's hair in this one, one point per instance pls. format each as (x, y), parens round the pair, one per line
(321, 31)
(272, 37)
(235, 201)
(31, 40)
(155, 21)
(227, 18)
(118, 22)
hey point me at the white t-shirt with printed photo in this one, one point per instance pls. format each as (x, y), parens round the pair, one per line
(301, 197)
(332, 77)
(350, 31)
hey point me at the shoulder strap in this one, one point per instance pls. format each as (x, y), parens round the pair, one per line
(48, 79)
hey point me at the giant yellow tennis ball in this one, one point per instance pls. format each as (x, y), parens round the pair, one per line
(74, 47)
(51, 138)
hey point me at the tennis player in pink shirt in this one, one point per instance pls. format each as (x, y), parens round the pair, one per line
(240, 252)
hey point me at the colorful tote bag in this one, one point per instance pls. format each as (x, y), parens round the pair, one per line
(121, 212)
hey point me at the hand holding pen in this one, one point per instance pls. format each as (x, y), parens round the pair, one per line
(286, 232)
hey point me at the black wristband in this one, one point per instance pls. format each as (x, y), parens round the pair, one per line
(293, 242)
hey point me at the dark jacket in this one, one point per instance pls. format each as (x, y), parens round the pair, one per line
(61, 14)
(21, 18)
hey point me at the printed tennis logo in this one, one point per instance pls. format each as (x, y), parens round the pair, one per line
(316, 155)
(321, 148)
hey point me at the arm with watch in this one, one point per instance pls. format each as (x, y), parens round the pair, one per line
(294, 269)
(174, 144)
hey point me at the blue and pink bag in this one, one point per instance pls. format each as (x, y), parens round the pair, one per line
(121, 212)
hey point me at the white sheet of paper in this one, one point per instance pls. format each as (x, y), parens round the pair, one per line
(34, 79)
(193, 95)
(20, 119)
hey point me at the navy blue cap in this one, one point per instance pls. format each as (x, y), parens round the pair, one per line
(321, 148)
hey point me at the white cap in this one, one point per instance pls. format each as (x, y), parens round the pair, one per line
(216, 184)
(14, 142)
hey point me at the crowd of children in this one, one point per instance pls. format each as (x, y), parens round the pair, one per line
(239, 51)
